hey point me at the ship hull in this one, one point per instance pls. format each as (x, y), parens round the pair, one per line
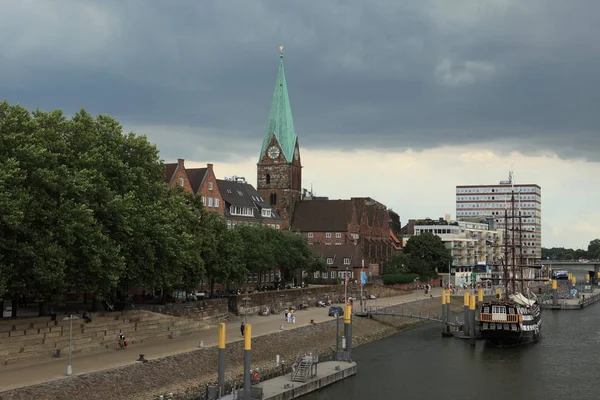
(521, 326)
(510, 339)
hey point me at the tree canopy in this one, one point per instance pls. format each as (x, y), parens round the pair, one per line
(84, 207)
(423, 255)
(566, 254)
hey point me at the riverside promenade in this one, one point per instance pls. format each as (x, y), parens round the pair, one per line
(16, 376)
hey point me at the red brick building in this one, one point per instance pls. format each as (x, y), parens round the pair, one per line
(348, 234)
(176, 175)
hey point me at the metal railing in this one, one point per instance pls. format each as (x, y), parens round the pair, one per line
(508, 318)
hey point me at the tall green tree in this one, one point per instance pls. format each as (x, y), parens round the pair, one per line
(222, 251)
(427, 253)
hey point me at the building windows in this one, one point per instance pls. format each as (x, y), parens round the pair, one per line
(277, 226)
(328, 235)
(243, 211)
(268, 179)
(273, 199)
(346, 261)
(239, 192)
(210, 186)
(181, 182)
(216, 202)
(332, 274)
(310, 235)
(338, 235)
(204, 201)
(266, 212)
(317, 275)
(229, 223)
(329, 261)
(210, 201)
(325, 275)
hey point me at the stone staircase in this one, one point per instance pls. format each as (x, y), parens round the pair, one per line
(36, 339)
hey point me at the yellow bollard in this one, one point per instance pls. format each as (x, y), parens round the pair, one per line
(466, 299)
(554, 284)
(574, 280)
(587, 277)
(498, 293)
(480, 295)
(472, 302)
(443, 297)
(448, 298)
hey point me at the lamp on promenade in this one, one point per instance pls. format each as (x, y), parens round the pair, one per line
(246, 309)
(71, 317)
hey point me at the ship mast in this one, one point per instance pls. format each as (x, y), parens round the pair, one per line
(513, 247)
(506, 275)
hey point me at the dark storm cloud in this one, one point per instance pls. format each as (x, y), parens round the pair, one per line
(197, 76)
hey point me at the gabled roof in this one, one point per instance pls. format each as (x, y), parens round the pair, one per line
(322, 215)
(243, 194)
(338, 253)
(170, 169)
(196, 177)
(281, 123)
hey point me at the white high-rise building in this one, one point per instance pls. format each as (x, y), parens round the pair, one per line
(480, 201)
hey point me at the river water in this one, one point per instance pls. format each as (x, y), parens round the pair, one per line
(420, 364)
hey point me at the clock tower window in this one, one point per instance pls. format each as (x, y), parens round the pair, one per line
(273, 199)
(268, 179)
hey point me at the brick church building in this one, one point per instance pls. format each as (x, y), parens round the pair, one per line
(350, 234)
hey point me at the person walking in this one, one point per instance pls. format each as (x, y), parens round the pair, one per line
(242, 328)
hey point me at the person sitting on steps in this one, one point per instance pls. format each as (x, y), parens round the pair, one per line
(86, 317)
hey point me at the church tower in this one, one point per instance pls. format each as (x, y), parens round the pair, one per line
(279, 171)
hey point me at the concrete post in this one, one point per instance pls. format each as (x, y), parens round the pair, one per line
(348, 330)
(554, 292)
(466, 317)
(448, 310)
(472, 307)
(444, 316)
(221, 356)
(247, 360)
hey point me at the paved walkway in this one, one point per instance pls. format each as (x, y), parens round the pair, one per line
(15, 376)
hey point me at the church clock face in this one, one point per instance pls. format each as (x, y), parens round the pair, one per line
(296, 154)
(273, 152)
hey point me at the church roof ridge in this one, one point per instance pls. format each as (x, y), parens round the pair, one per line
(280, 123)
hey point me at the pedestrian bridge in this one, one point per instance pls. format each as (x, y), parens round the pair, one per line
(379, 311)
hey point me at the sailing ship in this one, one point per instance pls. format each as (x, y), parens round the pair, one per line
(515, 317)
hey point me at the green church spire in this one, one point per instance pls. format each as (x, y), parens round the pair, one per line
(281, 123)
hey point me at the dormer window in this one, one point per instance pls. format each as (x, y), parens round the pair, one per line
(346, 261)
(243, 211)
(239, 192)
(181, 182)
(329, 261)
(210, 186)
(328, 235)
(266, 212)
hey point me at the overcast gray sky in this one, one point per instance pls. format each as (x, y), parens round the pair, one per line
(388, 76)
(380, 74)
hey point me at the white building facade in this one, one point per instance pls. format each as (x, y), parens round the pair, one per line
(491, 201)
(470, 243)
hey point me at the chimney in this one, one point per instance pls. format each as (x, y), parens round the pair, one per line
(209, 167)
(180, 162)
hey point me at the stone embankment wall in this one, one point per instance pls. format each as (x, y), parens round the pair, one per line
(207, 311)
(186, 374)
(279, 300)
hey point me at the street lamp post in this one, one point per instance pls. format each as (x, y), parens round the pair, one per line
(246, 309)
(71, 317)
